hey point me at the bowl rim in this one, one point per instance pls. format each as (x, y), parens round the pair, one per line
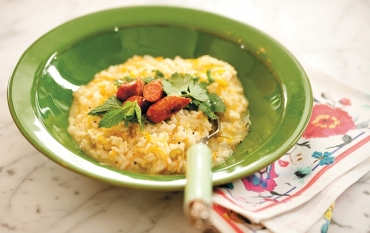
(28, 64)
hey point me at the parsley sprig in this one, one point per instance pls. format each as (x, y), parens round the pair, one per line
(186, 85)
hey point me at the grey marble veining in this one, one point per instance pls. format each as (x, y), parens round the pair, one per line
(37, 195)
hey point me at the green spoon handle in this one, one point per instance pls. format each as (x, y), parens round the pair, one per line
(198, 188)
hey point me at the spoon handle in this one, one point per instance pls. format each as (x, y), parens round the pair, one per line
(198, 188)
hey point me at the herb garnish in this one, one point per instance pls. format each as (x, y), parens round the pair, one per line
(113, 111)
(119, 81)
(110, 104)
(186, 85)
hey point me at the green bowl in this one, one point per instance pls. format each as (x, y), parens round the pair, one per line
(40, 88)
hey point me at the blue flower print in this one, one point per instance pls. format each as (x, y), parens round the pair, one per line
(325, 159)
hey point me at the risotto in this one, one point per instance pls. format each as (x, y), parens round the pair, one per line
(159, 148)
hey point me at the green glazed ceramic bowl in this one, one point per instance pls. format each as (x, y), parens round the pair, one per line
(40, 88)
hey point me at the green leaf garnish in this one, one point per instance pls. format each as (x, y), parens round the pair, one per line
(217, 103)
(147, 79)
(112, 118)
(138, 115)
(170, 89)
(128, 112)
(180, 81)
(210, 79)
(197, 91)
(158, 74)
(110, 104)
(120, 81)
(192, 87)
(205, 108)
(114, 112)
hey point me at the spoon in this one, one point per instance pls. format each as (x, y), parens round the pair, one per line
(198, 188)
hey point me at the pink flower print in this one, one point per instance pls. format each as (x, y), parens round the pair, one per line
(327, 121)
(345, 101)
(262, 180)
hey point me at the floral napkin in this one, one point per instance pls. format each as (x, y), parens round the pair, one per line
(297, 192)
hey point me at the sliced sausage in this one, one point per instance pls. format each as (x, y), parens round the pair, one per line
(153, 91)
(129, 89)
(144, 105)
(165, 107)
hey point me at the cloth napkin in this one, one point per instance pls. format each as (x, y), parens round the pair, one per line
(297, 192)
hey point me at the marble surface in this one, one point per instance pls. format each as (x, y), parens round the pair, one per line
(37, 195)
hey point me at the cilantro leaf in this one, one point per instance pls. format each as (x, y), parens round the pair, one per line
(192, 106)
(210, 79)
(205, 107)
(110, 104)
(217, 103)
(120, 81)
(192, 87)
(203, 85)
(158, 74)
(147, 79)
(170, 89)
(180, 81)
(207, 110)
(197, 91)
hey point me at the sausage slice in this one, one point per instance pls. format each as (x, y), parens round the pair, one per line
(129, 89)
(165, 107)
(153, 91)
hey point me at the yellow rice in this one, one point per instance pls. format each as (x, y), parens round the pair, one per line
(159, 148)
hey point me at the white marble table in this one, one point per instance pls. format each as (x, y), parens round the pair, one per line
(37, 195)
